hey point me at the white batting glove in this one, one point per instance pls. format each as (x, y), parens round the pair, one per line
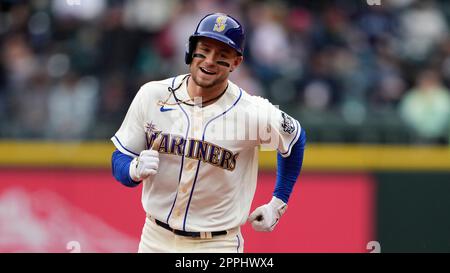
(145, 165)
(266, 217)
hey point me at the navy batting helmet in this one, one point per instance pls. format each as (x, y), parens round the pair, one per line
(220, 27)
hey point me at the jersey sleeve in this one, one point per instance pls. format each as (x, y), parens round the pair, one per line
(278, 130)
(130, 138)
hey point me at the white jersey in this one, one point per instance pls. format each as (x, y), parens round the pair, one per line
(208, 155)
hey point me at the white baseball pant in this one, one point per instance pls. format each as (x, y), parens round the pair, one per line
(157, 239)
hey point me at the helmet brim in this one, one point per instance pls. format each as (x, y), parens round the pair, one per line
(218, 37)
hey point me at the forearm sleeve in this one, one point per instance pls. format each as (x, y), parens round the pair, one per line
(120, 164)
(288, 169)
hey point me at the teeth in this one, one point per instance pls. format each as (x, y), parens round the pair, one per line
(207, 71)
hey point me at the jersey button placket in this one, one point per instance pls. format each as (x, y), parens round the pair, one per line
(190, 166)
(183, 190)
(178, 213)
(197, 125)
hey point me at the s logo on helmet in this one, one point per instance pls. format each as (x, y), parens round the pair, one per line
(220, 24)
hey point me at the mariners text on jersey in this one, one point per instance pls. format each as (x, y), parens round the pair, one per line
(196, 149)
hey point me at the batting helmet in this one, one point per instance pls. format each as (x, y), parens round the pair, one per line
(220, 27)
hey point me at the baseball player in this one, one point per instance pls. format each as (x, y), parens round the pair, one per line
(193, 141)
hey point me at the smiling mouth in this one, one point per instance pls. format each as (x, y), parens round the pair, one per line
(207, 71)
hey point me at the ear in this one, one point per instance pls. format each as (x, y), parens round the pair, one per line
(237, 61)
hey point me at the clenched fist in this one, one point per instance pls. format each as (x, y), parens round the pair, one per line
(145, 165)
(267, 216)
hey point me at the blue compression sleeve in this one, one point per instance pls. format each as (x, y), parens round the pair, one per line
(288, 169)
(120, 168)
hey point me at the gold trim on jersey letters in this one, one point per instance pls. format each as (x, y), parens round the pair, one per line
(204, 151)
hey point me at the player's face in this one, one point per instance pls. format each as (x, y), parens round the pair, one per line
(212, 63)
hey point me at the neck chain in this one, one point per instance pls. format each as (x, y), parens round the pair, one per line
(187, 102)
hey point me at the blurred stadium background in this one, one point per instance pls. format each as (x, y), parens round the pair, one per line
(369, 83)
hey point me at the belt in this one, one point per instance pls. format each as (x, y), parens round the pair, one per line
(193, 234)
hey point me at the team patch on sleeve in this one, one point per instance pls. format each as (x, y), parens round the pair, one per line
(287, 123)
